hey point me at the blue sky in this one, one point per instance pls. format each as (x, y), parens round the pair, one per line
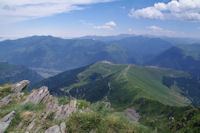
(74, 18)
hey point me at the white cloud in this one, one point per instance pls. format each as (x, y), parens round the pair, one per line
(187, 10)
(153, 27)
(109, 26)
(159, 31)
(148, 12)
(16, 10)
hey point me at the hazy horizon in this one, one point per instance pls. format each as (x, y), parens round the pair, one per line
(70, 19)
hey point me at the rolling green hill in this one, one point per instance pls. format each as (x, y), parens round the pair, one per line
(14, 73)
(120, 84)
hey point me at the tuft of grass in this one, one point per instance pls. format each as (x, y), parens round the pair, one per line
(51, 116)
(83, 104)
(5, 90)
(63, 100)
(95, 122)
(31, 107)
(83, 122)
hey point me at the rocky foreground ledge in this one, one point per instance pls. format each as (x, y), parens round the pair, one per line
(32, 120)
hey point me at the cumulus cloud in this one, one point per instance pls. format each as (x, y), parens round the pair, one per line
(187, 10)
(16, 10)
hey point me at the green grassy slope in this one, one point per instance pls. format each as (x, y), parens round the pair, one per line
(136, 82)
(187, 122)
(121, 84)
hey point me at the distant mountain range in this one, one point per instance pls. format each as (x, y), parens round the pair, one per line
(56, 54)
(182, 57)
(173, 40)
(50, 55)
(14, 73)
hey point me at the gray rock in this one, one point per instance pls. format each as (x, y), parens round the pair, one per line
(61, 111)
(63, 127)
(30, 126)
(64, 111)
(54, 129)
(132, 114)
(21, 124)
(5, 100)
(18, 95)
(37, 129)
(37, 96)
(5, 121)
(18, 87)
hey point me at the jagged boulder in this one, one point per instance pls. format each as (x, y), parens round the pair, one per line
(5, 100)
(42, 95)
(54, 129)
(37, 96)
(64, 111)
(5, 121)
(18, 87)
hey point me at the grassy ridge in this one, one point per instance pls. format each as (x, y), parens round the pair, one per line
(122, 84)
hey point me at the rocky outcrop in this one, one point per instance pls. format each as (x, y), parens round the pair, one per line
(61, 111)
(31, 121)
(64, 111)
(5, 100)
(5, 121)
(37, 96)
(132, 114)
(42, 95)
(18, 87)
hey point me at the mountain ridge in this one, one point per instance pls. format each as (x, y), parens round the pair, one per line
(131, 78)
